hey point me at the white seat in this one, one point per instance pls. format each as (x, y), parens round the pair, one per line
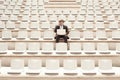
(34, 25)
(61, 17)
(3, 48)
(4, 18)
(113, 25)
(47, 48)
(88, 25)
(35, 35)
(101, 35)
(74, 35)
(20, 48)
(99, 25)
(80, 18)
(115, 34)
(89, 18)
(88, 35)
(99, 18)
(50, 12)
(42, 12)
(16, 66)
(68, 24)
(78, 25)
(118, 48)
(105, 66)
(22, 34)
(111, 18)
(24, 25)
(43, 18)
(66, 12)
(74, 12)
(61, 48)
(71, 18)
(75, 48)
(34, 18)
(53, 18)
(2, 25)
(48, 35)
(70, 67)
(103, 50)
(58, 12)
(52, 67)
(89, 48)
(33, 48)
(10, 25)
(13, 18)
(34, 66)
(25, 18)
(45, 25)
(88, 69)
(6, 34)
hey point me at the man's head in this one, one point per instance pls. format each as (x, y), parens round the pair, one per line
(61, 22)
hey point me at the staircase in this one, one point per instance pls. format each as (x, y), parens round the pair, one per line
(62, 4)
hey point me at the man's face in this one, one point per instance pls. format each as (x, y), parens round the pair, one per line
(61, 23)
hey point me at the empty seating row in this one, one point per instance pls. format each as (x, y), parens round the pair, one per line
(70, 67)
(59, 48)
(47, 25)
(49, 35)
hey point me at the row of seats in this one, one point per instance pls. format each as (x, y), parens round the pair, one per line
(69, 67)
(59, 48)
(49, 35)
(51, 12)
(54, 18)
(48, 25)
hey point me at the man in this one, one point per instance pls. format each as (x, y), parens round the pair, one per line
(61, 26)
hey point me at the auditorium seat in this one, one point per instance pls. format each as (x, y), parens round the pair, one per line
(35, 35)
(20, 48)
(61, 48)
(115, 34)
(70, 67)
(34, 66)
(52, 67)
(22, 34)
(33, 48)
(74, 35)
(16, 66)
(75, 48)
(10, 25)
(103, 50)
(89, 48)
(6, 34)
(88, 69)
(101, 35)
(48, 35)
(47, 48)
(105, 66)
(3, 48)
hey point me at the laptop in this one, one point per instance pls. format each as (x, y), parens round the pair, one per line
(61, 32)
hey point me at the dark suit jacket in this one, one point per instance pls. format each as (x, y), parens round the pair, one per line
(64, 27)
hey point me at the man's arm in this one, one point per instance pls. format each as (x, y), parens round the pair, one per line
(67, 30)
(55, 30)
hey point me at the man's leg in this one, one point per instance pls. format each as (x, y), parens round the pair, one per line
(57, 38)
(65, 38)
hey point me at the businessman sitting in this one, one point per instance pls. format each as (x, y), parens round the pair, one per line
(61, 31)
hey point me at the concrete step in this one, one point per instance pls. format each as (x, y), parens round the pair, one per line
(62, 6)
(62, 0)
(62, 3)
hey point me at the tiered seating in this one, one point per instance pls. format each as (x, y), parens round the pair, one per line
(27, 39)
(70, 67)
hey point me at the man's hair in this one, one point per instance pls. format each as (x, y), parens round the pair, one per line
(61, 21)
